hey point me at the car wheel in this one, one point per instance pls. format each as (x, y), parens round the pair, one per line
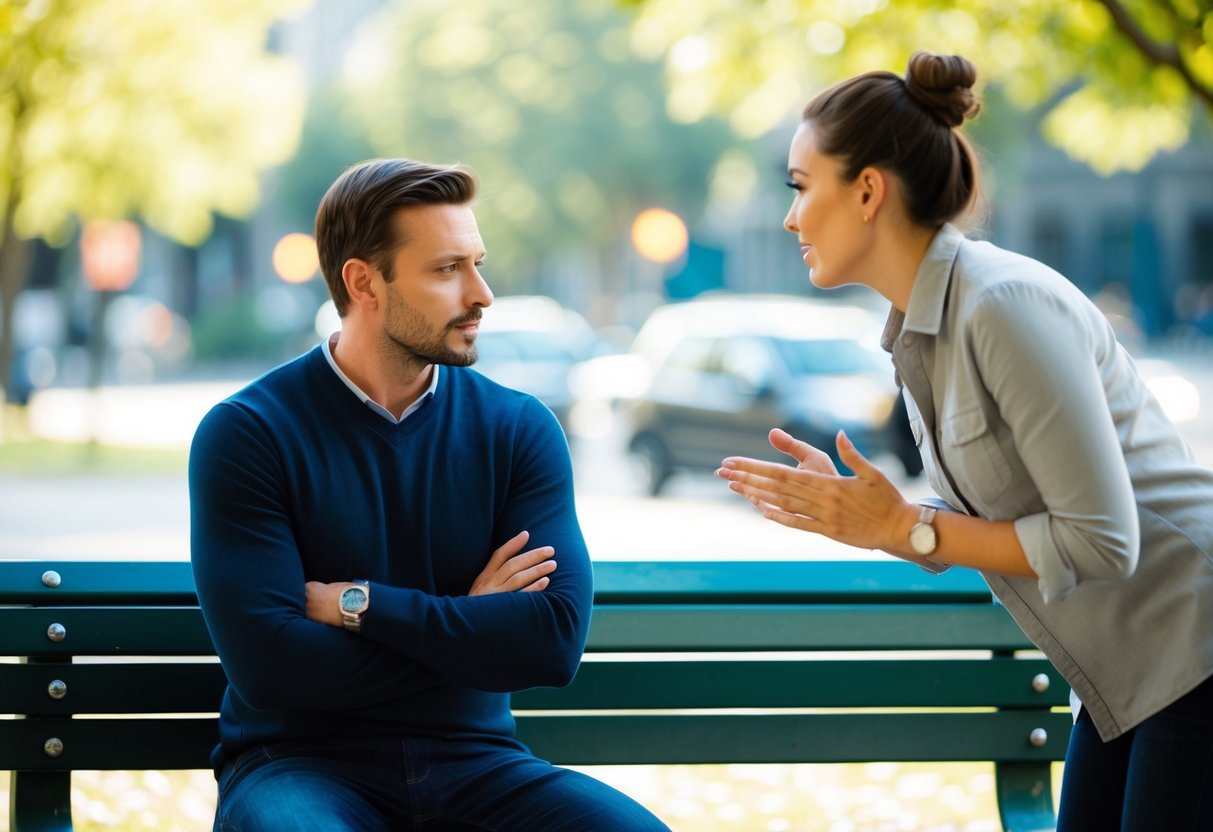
(653, 462)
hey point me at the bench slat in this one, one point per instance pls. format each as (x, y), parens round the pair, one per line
(909, 683)
(161, 687)
(779, 582)
(791, 738)
(158, 631)
(162, 583)
(824, 627)
(103, 631)
(109, 744)
(198, 687)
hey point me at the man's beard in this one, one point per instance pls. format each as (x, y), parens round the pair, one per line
(416, 342)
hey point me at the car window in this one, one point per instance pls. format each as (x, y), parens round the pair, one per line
(830, 356)
(691, 354)
(748, 359)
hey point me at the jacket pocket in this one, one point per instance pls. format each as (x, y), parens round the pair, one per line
(973, 456)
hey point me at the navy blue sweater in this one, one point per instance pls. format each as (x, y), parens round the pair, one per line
(293, 479)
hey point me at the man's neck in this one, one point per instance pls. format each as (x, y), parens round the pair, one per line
(388, 384)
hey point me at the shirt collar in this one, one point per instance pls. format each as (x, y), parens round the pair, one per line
(925, 310)
(327, 346)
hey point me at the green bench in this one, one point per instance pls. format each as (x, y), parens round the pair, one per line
(709, 662)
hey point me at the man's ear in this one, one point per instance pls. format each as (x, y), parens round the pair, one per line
(358, 277)
(872, 190)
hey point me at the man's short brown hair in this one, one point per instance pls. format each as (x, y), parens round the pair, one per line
(355, 217)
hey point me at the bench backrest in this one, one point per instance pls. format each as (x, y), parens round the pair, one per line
(686, 662)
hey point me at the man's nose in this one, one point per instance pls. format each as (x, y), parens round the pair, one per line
(480, 293)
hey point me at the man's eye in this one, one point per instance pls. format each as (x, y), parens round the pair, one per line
(449, 268)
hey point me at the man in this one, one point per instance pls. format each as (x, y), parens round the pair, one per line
(385, 544)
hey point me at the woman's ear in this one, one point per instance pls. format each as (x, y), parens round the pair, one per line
(357, 275)
(872, 190)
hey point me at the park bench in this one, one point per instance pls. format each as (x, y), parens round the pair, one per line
(709, 662)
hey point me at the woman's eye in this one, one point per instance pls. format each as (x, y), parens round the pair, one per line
(795, 186)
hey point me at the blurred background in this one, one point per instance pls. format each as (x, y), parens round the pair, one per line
(162, 162)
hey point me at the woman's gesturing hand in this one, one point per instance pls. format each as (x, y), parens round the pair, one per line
(508, 571)
(865, 510)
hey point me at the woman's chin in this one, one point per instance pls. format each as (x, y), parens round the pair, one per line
(821, 279)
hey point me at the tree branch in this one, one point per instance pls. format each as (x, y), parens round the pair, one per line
(1159, 53)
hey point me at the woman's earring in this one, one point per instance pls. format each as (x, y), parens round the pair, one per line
(866, 218)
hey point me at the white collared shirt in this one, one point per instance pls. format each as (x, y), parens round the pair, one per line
(367, 400)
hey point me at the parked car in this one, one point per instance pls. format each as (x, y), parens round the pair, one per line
(531, 343)
(727, 369)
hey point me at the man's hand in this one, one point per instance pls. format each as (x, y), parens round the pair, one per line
(508, 571)
(324, 602)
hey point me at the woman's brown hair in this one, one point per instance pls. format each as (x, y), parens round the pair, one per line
(907, 126)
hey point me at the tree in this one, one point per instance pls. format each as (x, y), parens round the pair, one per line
(567, 128)
(162, 111)
(1115, 80)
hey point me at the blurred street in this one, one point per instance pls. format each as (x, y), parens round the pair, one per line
(147, 516)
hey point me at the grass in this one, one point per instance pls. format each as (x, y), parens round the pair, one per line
(44, 457)
(859, 797)
(24, 454)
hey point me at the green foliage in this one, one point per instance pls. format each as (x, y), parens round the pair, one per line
(234, 331)
(569, 130)
(1129, 69)
(124, 108)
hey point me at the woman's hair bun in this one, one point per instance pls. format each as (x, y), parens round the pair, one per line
(943, 85)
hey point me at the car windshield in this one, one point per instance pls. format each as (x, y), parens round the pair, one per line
(830, 356)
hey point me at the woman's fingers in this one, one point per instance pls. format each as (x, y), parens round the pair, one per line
(856, 461)
(807, 456)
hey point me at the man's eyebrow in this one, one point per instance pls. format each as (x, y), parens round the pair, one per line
(456, 257)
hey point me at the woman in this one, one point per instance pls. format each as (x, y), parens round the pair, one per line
(1075, 496)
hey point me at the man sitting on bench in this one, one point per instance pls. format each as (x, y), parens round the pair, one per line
(375, 533)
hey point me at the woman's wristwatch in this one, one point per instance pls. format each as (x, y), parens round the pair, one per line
(923, 539)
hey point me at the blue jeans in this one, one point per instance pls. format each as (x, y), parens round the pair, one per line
(1158, 776)
(429, 785)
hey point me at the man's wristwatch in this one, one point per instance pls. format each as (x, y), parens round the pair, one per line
(923, 539)
(354, 602)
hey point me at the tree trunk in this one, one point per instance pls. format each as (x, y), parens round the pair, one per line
(14, 270)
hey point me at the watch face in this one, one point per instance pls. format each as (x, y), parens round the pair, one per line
(353, 599)
(922, 539)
